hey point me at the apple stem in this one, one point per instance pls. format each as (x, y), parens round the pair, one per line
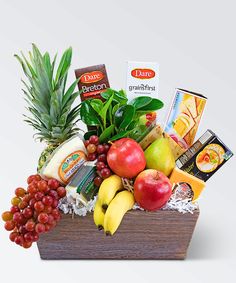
(157, 175)
(110, 142)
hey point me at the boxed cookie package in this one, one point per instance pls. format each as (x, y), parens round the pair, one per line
(205, 156)
(142, 79)
(93, 81)
(184, 116)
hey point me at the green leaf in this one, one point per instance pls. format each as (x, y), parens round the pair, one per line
(25, 69)
(31, 69)
(115, 108)
(118, 117)
(110, 116)
(73, 114)
(71, 100)
(37, 54)
(124, 116)
(120, 135)
(46, 120)
(106, 134)
(107, 93)
(89, 115)
(55, 107)
(42, 84)
(53, 66)
(128, 116)
(103, 112)
(122, 93)
(132, 125)
(140, 101)
(118, 96)
(154, 105)
(68, 93)
(97, 105)
(64, 64)
(47, 64)
(139, 132)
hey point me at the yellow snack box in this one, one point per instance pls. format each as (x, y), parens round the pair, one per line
(184, 117)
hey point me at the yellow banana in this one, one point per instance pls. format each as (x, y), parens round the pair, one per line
(98, 216)
(108, 189)
(122, 202)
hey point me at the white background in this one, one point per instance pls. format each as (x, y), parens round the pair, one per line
(194, 42)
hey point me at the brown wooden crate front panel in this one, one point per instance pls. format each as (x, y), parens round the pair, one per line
(141, 235)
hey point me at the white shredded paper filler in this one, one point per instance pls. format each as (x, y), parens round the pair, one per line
(74, 206)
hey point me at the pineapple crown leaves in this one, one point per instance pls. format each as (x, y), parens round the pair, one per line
(49, 103)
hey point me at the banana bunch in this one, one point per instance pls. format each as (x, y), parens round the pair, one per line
(111, 205)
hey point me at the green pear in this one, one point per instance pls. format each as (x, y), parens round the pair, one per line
(159, 156)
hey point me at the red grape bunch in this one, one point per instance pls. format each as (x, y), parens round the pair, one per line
(98, 151)
(34, 210)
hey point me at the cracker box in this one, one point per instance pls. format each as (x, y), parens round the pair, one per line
(205, 156)
(142, 79)
(93, 81)
(184, 116)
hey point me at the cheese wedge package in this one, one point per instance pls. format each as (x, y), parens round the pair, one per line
(184, 117)
(81, 186)
(186, 185)
(65, 160)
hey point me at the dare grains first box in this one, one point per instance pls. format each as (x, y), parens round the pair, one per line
(142, 79)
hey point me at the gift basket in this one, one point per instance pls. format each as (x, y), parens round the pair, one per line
(126, 187)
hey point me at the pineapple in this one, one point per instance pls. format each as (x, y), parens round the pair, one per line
(49, 102)
(46, 153)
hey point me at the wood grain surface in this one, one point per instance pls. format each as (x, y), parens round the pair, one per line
(141, 235)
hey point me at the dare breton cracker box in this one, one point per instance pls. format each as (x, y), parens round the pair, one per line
(184, 116)
(93, 81)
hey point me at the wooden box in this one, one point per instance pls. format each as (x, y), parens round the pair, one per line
(141, 235)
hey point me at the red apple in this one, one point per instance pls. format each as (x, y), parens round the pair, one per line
(152, 189)
(126, 158)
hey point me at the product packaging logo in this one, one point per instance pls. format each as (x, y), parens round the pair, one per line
(143, 73)
(92, 77)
